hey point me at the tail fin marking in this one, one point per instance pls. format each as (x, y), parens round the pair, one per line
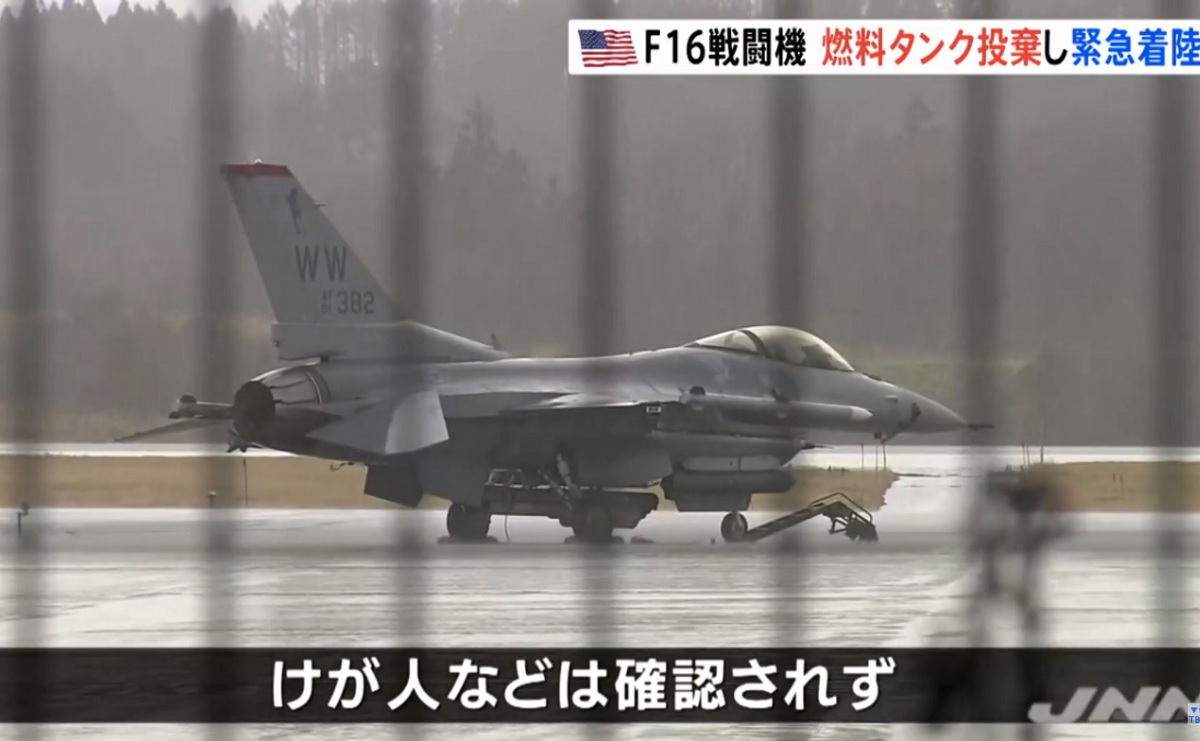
(311, 274)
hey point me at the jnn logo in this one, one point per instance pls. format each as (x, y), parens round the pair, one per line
(1113, 705)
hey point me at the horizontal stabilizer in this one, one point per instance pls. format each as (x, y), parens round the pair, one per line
(804, 413)
(184, 425)
(406, 425)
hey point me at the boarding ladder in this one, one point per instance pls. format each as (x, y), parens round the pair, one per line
(845, 516)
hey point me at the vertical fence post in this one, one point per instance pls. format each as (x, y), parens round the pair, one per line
(27, 266)
(408, 47)
(218, 47)
(787, 128)
(1174, 271)
(597, 302)
(979, 293)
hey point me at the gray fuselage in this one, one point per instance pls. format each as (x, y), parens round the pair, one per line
(653, 375)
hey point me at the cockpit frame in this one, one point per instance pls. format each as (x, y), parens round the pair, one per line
(782, 344)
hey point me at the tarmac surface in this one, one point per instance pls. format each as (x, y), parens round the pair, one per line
(140, 578)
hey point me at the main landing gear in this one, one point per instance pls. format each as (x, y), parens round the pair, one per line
(468, 524)
(592, 521)
(591, 513)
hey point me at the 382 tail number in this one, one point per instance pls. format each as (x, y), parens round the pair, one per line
(347, 302)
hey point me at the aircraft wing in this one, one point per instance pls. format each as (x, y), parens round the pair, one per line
(418, 418)
(393, 426)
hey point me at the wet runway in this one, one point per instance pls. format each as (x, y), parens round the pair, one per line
(139, 578)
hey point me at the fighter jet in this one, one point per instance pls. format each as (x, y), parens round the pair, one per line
(580, 440)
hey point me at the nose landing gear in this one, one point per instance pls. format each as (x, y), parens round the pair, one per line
(734, 527)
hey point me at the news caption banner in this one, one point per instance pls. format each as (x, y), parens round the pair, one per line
(860, 685)
(892, 47)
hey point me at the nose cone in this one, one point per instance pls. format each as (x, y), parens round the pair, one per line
(936, 417)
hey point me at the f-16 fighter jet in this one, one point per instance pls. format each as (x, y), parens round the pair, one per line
(579, 440)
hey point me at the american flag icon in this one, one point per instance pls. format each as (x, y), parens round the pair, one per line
(607, 48)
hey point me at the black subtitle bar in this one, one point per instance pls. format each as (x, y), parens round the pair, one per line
(361, 685)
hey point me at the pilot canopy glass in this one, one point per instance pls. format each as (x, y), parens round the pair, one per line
(785, 344)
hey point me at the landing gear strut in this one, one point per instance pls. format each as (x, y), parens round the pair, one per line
(469, 524)
(733, 527)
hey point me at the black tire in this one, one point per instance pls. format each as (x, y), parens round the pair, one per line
(469, 524)
(734, 527)
(593, 523)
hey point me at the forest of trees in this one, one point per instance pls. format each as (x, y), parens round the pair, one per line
(122, 175)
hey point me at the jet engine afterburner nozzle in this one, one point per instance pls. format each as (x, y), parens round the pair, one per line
(253, 409)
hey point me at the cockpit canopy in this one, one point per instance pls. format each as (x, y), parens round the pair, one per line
(784, 344)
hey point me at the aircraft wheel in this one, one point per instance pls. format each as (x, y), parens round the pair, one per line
(593, 523)
(734, 527)
(468, 523)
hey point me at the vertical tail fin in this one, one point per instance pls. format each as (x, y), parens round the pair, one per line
(325, 301)
(310, 273)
